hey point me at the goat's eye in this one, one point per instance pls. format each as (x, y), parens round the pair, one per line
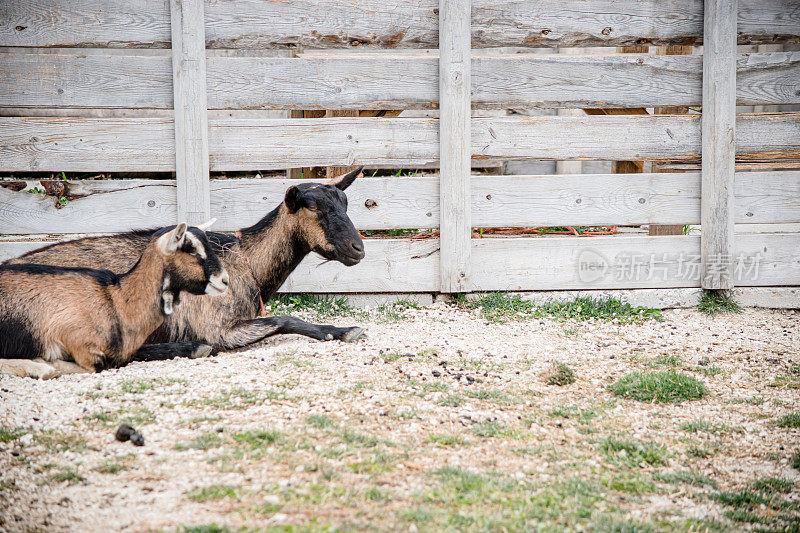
(312, 206)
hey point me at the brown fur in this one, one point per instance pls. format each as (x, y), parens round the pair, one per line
(96, 318)
(258, 263)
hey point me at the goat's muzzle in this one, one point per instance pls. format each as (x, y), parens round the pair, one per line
(217, 283)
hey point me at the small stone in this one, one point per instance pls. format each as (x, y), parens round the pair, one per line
(436, 373)
(137, 439)
(124, 433)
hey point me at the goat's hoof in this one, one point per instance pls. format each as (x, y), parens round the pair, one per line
(203, 350)
(353, 334)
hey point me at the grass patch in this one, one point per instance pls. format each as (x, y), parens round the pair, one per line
(633, 453)
(796, 459)
(463, 500)
(560, 374)
(239, 398)
(134, 417)
(447, 439)
(772, 485)
(213, 492)
(63, 442)
(140, 386)
(451, 400)
(703, 426)
(702, 451)
(584, 416)
(115, 464)
(789, 380)
(630, 484)
(659, 387)
(686, 477)
(318, 305)
(758, 502)
(714, 302)
(319, 421)
(394, 312)
(494, 429)
(205, 528)
(68, 475)
(790, 420)
(257, 439)
(501, 307)
(490, 395)
(8, 434)
(204, 441)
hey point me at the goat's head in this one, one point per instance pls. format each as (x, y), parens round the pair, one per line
(190, 264)
(320, 211)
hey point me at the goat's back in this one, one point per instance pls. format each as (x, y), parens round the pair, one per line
(117, 253)
(197, 318)
(40, 306)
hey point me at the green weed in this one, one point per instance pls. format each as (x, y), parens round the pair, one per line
(213, 492)
(714, 302)
(560, 374)
(633, 453)
(790, 420)
(686, 477)
(659, 387)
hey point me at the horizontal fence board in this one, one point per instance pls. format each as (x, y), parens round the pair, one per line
(404, 23)
(122, 205)
(9, 249)
(389, 266)
(399, 81)
(403, 265)
(147, 144)
(626, 199)
(553, 263)
(396, 203)
(626, 262)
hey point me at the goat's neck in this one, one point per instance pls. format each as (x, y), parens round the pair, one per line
(138, 299)
(274, 247)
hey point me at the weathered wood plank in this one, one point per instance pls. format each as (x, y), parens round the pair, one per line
(414, 266)
(454, 145)
(541, 264)
(373, 23)
(719, 143)
(9, 249)
(191, 120)
(555, 263)
(148, 144)
(395, 203)
(395, 81)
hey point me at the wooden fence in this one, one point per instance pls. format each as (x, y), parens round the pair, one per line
(90, 86)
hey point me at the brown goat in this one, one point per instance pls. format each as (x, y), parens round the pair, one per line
(312, 217)
(98, 319)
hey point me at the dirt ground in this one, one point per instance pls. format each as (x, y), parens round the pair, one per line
(438, 420)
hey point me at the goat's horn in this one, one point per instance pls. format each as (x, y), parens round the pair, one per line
(206, 225)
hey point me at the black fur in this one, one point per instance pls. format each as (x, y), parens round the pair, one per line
(16, 341)
(103, 277)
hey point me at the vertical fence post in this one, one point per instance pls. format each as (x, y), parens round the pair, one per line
(191, 120)
(454, 144)
(718, 142)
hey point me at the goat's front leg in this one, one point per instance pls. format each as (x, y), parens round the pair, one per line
(250, 331)
(28, 368)
(171, 350)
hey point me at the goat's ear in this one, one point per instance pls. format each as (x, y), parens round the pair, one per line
(292, 199)
(171, 241)
(342, 182)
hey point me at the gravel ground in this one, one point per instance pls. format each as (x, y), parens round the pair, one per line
(437, 420)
